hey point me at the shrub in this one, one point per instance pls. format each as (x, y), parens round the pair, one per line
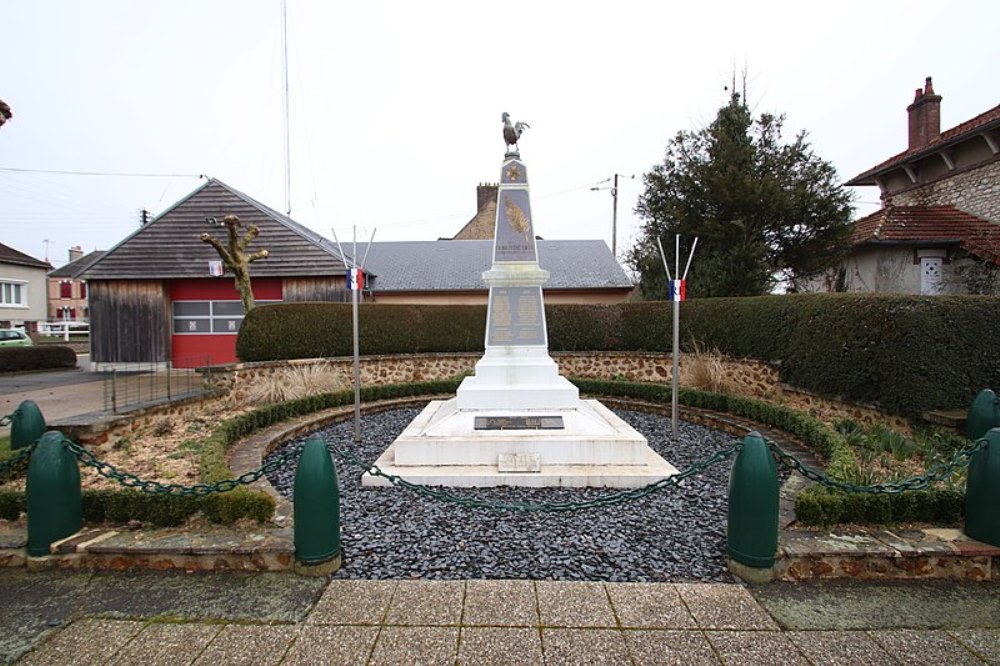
(48, 357)
(818, 505)
(906, 354)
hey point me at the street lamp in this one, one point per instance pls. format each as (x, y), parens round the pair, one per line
(614, 209)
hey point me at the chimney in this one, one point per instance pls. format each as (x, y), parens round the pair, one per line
(486, 193)
(925, 116)
(75, 253)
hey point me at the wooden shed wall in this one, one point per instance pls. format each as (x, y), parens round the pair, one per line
(315, 289)
(129, 321)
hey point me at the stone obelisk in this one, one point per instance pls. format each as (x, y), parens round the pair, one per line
(516, 421)
(516, 372)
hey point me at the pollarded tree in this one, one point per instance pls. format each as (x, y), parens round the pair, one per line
(765, 211)
(235, 256)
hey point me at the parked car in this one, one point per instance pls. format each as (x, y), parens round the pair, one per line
(10, 337)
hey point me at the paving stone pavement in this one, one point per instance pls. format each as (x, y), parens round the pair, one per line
(515, 622)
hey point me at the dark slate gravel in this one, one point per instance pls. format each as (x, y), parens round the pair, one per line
(677, 534)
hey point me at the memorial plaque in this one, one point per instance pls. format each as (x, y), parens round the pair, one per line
(515, 233)
(518, 423)
(519, 462)
(515, 317)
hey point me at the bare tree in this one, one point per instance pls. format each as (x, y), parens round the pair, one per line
(235, 256)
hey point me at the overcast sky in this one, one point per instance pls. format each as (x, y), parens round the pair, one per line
(395, 106)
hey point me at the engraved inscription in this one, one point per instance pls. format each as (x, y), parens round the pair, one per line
(516, 317)
(518, 423)
(519, 462)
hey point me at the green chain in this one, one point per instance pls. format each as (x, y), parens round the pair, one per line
(932, 476)
(605, 500)
(7, 420)
(12, 464)
(129, 480)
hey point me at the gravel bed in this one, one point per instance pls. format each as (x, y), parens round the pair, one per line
(676, 534)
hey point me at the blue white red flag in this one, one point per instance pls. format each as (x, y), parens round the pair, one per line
(355, 279)
(678, 290)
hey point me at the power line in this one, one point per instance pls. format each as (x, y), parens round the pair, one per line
(123, 174)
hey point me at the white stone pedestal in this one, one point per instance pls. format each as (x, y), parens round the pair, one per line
(517, 385)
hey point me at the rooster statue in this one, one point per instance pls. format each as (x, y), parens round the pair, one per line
(512, 132)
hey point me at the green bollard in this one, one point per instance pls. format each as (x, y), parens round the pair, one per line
(752, 537)
(317, 508)
(55, 502)
(982, 492)
(984, 413)
(26, 425)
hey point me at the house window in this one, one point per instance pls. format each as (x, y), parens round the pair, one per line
(65, 289)
(14, 294)
(83, 290)
(207, 317)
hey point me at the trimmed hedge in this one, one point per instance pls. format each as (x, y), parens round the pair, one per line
(47, 357)
(904, 354)
(817, 505)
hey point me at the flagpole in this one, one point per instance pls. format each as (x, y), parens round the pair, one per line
(677, 333)
(357, 361)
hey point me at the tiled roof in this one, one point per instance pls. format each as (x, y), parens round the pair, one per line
(9, 255)
(983, 121)
(74, 268)
(458, 265)
(169, 246)
(910, 224)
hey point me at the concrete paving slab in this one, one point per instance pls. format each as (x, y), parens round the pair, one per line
(755, 647)
(649, 605)
(913, 646)
(584, 646)
(220, 596)
(415, 645)
(669, 648)
(426, 603)
(840, 648)
(332, 645)
(574, 605)
(724, 607)
(496, 646)
(870, 605)
(353, 602)
(84, 642)
(984, 642)
(508, 603)
(247, 644)
(167, 644)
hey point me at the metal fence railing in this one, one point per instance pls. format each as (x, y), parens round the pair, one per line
(129, 386)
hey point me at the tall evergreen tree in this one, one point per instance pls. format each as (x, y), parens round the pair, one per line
(764, 211)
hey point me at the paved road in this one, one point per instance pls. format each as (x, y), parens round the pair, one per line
(58, 393)
(168, 618)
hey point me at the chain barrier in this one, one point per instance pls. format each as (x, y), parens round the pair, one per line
(7, 420)
(12, 464)
(552, 507)
(937, 473)
(130, 480)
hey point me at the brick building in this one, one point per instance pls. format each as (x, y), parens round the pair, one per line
(938, 230)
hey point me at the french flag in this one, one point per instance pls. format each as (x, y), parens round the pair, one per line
(355, 279)
(678, 290)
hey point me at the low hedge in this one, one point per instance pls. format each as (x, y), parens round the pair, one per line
(905, 354)
(47, 357)
(817, 505)
(120, 506)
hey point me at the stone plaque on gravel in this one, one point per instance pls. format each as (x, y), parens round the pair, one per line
(518, 423)
(519, 462)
